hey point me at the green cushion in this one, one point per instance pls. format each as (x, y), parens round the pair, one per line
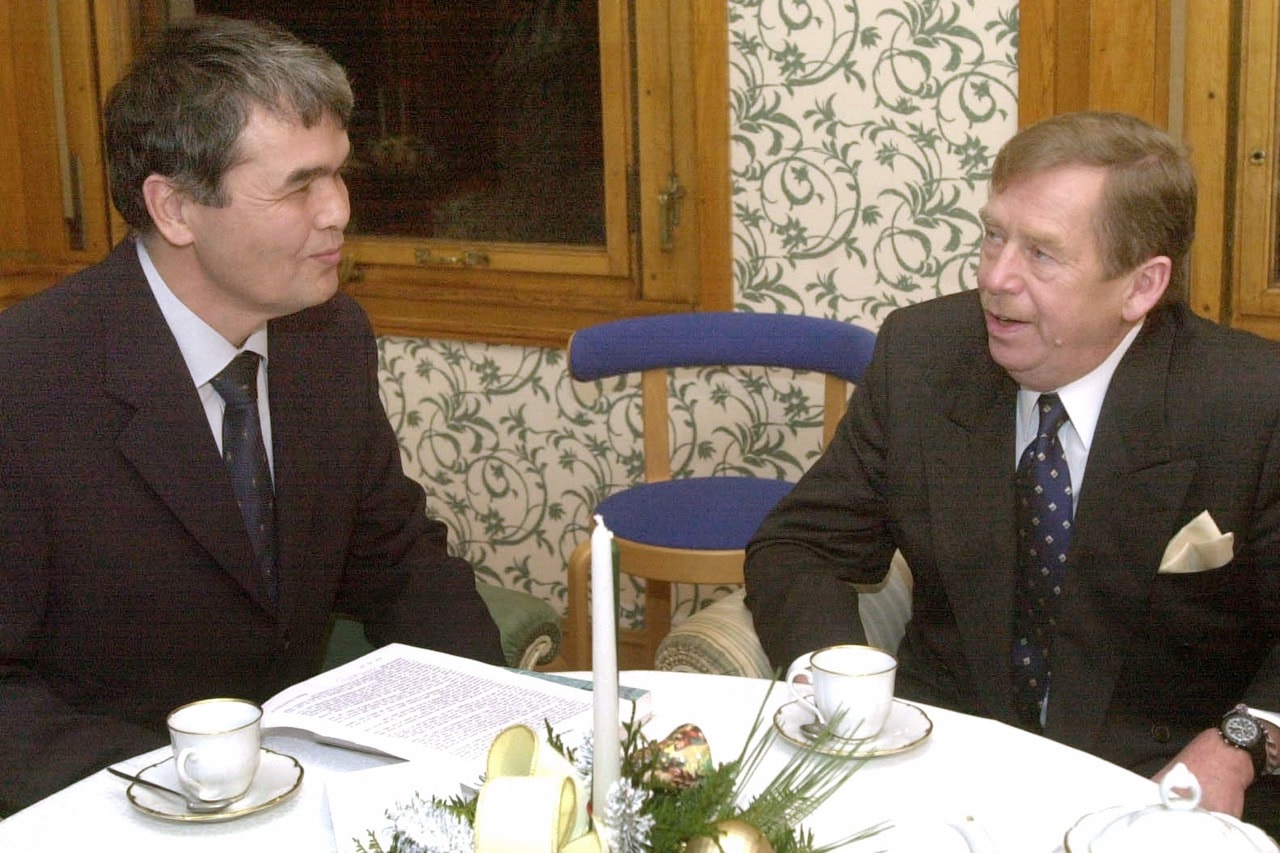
(346, 643)
(522, 618)
(530, 629)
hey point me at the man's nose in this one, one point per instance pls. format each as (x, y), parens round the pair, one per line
(999, 270)
(333, 209)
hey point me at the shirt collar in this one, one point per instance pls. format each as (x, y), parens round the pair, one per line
(204, 350)
(1082, 398)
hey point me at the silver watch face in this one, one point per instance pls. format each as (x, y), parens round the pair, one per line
(1241, 730)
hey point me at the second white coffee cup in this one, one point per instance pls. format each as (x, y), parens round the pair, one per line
(217, 745)
(850, 685)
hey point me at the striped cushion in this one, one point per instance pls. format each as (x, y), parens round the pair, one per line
(886, 607)
(718, 639)
(721, 638)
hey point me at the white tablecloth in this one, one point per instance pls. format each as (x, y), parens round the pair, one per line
(1025, 791)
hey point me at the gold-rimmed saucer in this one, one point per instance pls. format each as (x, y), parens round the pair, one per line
(906, 728)
(279, 776)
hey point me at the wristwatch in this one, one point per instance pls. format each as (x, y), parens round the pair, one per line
(1244, 731)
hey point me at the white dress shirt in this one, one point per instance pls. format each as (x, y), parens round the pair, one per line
(1083, 401)
(206, 353)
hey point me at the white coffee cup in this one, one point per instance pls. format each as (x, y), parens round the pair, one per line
(850, 688)
(217, 744)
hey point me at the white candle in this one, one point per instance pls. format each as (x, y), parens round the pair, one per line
(607, 764)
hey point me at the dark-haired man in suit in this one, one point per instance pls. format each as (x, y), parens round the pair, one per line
(1139, 620)
(139, 570)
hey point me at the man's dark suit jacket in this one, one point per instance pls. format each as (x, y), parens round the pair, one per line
(126, 579)
(924, 462)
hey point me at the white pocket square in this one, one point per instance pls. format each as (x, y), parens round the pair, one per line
(1198, 547)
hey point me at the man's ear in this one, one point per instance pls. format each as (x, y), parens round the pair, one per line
(167, 206)
(1147, 284)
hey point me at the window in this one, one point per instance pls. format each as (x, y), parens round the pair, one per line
(522, 169)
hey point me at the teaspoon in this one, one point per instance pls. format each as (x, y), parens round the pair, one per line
(193, 806)
(816, 730)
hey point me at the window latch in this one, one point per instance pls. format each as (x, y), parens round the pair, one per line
(669, 201)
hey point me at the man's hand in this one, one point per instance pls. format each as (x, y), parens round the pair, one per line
(1224, 772)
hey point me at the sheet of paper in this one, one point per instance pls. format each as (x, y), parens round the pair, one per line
(416, 704)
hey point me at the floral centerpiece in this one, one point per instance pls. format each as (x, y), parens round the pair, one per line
(670, 797)
(665, 796)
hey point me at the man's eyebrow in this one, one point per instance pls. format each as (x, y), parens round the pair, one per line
(1052, 242)
(298, 177)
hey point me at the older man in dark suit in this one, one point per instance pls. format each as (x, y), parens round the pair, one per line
(139, 570)
(1151, 610)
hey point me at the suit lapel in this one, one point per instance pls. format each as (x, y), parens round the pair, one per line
(1132, 492)
(974, 533)
(167, 439)
(295, 414)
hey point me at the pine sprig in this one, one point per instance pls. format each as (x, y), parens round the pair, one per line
(373, 845)
(463, 807)
(806, 781)
(693, 812)
(557, 743)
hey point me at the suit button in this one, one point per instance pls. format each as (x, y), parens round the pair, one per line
(1160, 733)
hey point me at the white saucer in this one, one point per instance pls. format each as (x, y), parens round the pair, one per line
(279, 777)
(906, 728)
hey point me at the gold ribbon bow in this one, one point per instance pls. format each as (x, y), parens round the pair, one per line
(532, 800)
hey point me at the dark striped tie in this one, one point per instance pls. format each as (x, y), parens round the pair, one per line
(246, 458)
(1044, 538)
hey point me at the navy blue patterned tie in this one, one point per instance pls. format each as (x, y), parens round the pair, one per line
(1044, 538)
(246, 458)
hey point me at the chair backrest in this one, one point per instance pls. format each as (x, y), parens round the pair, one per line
(653, 344)
(721, 337)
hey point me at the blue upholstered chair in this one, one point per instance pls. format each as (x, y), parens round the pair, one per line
(693, 530)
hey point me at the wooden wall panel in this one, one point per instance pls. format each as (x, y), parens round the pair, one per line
(1206, 130)
(1094, 54)
(13, 211)
(33, 225)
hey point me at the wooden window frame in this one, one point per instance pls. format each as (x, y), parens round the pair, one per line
(541, 295)
(1256, 302)
(37, 178)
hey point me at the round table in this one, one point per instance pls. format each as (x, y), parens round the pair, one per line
(1024, 791)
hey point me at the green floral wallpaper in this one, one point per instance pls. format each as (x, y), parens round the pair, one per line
(863, 131)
